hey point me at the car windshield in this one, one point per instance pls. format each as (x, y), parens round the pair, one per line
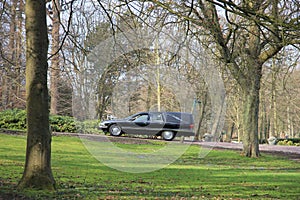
(130, 117)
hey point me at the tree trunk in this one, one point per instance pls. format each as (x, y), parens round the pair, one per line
(238, 120)
(10, 66)
(231, 131)
(263, 123)
(19, 52)
(55, 59)
(250, 112)
(273, 105)
(37, 173)
(289, 123)
(4, 88)
(198, 134)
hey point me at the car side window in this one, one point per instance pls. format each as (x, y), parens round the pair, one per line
(141, 118)
(173, 118)
(157, 117)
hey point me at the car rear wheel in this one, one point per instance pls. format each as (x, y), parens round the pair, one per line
(115, 130)
(168, 135)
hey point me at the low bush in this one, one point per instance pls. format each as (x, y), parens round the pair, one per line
(288, 142)
(14, 119)
(294, 140)
(60, 123)
(90, 126)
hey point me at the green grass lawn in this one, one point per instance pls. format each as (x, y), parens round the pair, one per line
(220, 175)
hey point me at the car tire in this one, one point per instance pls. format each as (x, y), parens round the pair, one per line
(115, 130)
(168, 135)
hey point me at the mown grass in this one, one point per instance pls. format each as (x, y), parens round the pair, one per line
(220, 175)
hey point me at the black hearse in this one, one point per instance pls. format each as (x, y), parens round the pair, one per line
(164, 124)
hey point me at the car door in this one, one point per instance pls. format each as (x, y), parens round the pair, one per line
(137, 124)
(157, 123)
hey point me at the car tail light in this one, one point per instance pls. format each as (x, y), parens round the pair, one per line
(191, 126)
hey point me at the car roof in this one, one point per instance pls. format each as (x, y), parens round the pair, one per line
(167, 112)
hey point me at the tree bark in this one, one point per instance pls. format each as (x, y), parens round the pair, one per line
(37, 173)
(250, 100)
(55, 59)
(198, 134)
(19, 53)
(12, 57)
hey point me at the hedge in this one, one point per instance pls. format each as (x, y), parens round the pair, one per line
(15, 119)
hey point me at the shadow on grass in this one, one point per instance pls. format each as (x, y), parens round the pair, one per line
(173, 182)
(221, 175)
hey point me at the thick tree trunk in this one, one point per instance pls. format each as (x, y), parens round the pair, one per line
(37, 172)
(250, 113)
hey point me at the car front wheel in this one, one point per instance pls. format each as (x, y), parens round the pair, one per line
(115, 130)
(168, 135)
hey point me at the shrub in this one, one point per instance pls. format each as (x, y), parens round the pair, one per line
(289, 142)
(14, 119)
(294, 140)
(60, 123)
(282, 142)
(90, 126)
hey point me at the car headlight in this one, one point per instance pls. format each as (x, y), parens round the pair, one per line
(102, 125)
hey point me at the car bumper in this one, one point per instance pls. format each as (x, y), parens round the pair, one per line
(185, 133)
(103, 127)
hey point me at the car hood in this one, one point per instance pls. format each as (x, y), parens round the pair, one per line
(113, 120)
